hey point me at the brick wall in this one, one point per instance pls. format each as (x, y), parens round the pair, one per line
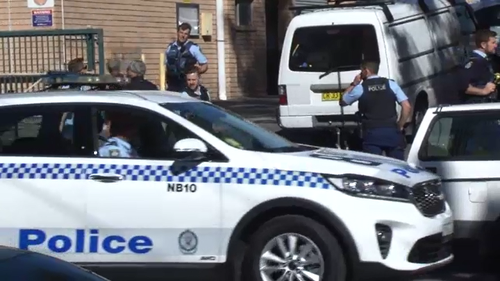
(245, 52)
(132, 28)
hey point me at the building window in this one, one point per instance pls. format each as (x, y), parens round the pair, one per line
(189, 13)
(244, 12)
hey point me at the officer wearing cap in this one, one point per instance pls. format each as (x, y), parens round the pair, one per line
(182, 55)
(476, 77)
(377, 98)
(122, 129)
(136, 71)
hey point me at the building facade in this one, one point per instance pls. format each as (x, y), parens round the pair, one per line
(252, 34)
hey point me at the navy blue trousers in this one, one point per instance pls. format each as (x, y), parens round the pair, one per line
(388, 140)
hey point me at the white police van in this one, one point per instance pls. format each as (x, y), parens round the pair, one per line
(209, 190)
(461, 144)
(419, 44)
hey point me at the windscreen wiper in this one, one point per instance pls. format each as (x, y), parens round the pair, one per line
(341, 67)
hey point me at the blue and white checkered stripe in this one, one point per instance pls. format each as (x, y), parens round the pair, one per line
(198, 174)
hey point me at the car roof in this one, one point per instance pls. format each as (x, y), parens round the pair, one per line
(10, 252)
(468, 107)
(158, 97)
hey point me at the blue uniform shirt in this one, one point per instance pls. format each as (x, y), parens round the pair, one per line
(194, 50)
(357, 92)
(117, 147)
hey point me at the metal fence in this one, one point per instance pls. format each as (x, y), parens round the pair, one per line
(26, 55)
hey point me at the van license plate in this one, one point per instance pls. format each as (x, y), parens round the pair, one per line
(334, 96)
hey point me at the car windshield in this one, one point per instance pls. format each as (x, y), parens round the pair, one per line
(231, 128)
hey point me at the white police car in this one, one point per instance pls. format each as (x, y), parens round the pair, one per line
(209, 188)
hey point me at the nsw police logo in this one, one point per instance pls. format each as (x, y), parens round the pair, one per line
(188, 242)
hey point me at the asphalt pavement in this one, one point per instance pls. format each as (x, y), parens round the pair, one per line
(262, 111)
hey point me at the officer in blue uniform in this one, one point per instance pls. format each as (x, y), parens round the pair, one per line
(377, 98)
(477, 76)
(123, 130)
(193, 88)
(182, 55)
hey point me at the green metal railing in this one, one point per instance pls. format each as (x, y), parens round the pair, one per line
(26, 55)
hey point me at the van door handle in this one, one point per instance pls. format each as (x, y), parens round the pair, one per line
(106, 177)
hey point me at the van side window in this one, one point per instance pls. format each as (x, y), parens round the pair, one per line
(465, 137)
(320, 48)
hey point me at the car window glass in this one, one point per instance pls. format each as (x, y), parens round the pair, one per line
(37, 131)
(36, 267)
(231, 128)
(321, 48)
(138, 134)
(463, 137)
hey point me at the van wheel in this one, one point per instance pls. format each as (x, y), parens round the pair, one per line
(293, 248)
(421, 107)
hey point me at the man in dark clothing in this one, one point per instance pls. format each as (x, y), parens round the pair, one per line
(136, 71)
(193, 88)
(476, 77)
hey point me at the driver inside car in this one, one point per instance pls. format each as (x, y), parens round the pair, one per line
(123, 129)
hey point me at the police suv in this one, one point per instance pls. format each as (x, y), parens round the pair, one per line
(207, 190)
(461, 144)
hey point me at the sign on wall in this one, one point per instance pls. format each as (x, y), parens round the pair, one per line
(40, 4)
(41, 18)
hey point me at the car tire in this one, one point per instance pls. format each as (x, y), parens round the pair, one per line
(306, 230)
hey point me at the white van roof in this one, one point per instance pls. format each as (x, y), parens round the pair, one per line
(390, 10)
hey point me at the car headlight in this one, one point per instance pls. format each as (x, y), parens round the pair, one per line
(370, 188)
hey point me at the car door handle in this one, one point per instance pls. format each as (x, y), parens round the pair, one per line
(106, 177)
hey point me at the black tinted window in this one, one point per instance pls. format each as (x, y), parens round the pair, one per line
(36, 267)
(41, 131)
(465, 137)
(319, 48)
(488, 17)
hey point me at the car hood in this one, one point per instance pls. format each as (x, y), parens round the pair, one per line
(342, 162)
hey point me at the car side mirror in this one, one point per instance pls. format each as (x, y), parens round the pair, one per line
(193, 149)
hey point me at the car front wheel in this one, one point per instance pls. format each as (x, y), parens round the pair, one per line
(294, 248)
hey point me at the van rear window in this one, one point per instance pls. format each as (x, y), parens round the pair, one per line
(321, 48)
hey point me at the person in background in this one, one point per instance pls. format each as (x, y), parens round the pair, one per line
(193, 88)
(377, 98)
(136, 71)
(182, 55)
(76, 66)
(477, 76)
(114, 68)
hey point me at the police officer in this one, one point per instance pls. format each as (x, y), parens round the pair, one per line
(136, 71)
(476, 77)
(377, 97)
(123, 130)
(193, 88)
(182, 55)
